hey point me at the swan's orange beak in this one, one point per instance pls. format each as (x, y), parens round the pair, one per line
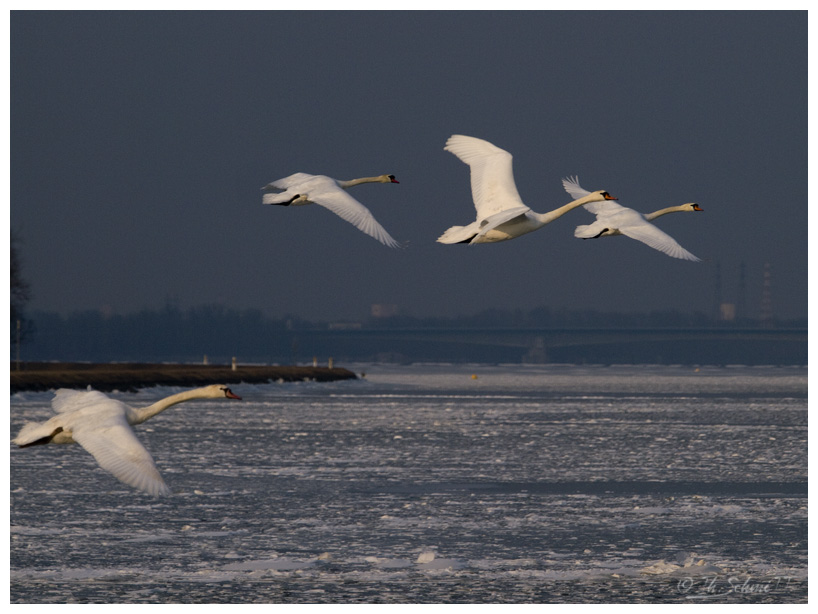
(395, 180)
(697, 207)
(231, 395)
(608, 196)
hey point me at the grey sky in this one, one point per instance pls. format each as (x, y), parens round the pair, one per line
(139, 142)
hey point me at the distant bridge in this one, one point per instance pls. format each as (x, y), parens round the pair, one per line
(683, 345)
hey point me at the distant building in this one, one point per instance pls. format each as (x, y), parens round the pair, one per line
(727, 312)
(384, 310)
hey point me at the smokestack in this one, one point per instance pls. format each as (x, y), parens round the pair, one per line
(766, 298)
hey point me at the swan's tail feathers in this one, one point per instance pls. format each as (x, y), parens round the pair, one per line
(458, 234)
(35, 433)
(278, 198)
(585, 232)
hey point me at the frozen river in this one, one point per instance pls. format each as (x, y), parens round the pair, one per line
(435, 484)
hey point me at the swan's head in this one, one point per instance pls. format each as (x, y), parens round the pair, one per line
(691, 207)
(218, 391)
(602, 195)
(388, 179)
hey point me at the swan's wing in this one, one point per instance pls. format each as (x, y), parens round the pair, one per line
(66, 400)
(493, 221)
(609, 207)
(111, 441)
(571, 185)
(492, 179)
(498, 219)
(342, 204)
(288, 182)
(650, 235)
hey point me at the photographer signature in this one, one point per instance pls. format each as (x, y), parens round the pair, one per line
(716, 586)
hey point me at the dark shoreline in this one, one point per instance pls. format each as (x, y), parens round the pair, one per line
(40, 376)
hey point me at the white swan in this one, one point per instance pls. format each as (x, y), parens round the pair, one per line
(305, 189)
(613, 219)
(501, 214)
(102, 426)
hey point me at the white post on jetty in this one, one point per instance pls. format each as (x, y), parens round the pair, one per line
(315, 361)
(204, 362)
(234, 364)
(330, 362)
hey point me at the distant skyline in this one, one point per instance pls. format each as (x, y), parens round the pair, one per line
(140, 142)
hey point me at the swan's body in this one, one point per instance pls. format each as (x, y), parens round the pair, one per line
(305, 189)
(613, 219)
(102, 426)
(501, 214)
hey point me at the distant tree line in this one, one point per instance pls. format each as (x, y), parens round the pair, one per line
(544, 317)
(170, 334)
(20, 291)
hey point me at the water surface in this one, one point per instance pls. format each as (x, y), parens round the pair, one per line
(436, 484)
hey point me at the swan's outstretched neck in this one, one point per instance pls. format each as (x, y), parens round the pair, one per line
(665, 211)
(545, 218)
(378, 179)
(352, 182)
(138, 416)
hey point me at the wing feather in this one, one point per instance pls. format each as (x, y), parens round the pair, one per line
(285, 183)
(346, 207)
(113, 444)
(609, 207)
(650, 235)
(493, 221)
(492, 178)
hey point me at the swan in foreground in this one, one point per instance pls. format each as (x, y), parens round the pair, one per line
(305, 189)
(102, 426)
(613, 219)
(501, 214)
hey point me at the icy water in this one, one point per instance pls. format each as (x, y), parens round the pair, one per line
(436, 484)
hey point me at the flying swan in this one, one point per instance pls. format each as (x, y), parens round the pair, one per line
(305, 189)
(102, 426)
(501, 214)
(613, 219)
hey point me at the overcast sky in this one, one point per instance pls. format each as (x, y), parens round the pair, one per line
(140, 142)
